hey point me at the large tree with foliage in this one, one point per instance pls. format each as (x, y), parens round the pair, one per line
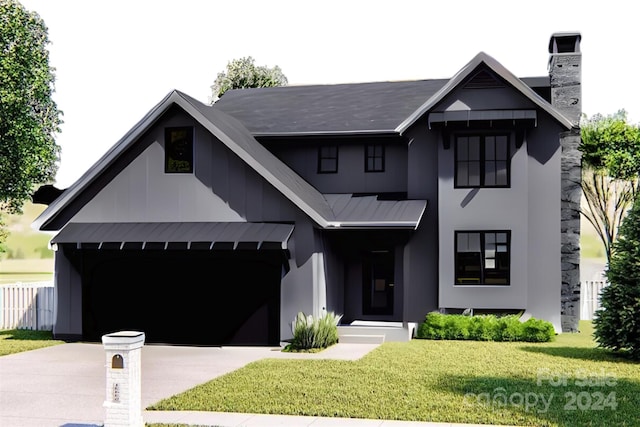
(243, 73)
(611, 165)
(617, 322)
(29, 118)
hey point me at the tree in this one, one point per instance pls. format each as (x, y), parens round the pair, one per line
(243, 73)
(29, 118)
(617, 322)
(611, 165)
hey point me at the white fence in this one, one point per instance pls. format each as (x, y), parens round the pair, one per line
(27, 306)
(30, 305)
(590, 297)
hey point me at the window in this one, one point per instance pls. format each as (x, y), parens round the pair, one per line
(178, 150)
(482, 161)
(482, 257)
(374, 158)
(328, 159)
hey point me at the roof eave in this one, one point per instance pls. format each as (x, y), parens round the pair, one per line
(376, 132)
(408, 225)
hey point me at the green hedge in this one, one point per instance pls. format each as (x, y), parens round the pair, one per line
(487, 327)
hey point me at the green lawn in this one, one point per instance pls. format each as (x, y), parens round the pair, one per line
(567, 382)
(17, 340)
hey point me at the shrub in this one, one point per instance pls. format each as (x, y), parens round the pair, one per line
(314, 333)
(486, 327)
(483, 328)
(433, 327)
(617, 322)
(456, 327)
(510, 328)
(537, 330)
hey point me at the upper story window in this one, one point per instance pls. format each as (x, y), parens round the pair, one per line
(374, 158)
(178, 150)
(482, 257)
(482, 160)
(328, 159)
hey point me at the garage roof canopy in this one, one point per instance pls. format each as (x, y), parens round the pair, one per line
(176, 235)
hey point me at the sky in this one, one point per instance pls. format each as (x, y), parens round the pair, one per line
(115, 60)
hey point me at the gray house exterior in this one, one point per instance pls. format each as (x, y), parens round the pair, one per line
(217, 224)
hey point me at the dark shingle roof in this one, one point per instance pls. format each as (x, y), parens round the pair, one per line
(327, 109)
(352, 108)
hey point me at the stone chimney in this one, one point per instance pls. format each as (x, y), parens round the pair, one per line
(565, 72)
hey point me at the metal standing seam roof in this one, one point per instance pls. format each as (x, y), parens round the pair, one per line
(176, 232)
(368, 211)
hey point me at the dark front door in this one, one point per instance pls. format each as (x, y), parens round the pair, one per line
(378, 282)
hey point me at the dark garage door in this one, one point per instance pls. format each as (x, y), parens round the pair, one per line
(229, 297)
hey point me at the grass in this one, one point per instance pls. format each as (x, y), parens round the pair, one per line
(19, 340)
(23, 242)
(591, 246)
(567, 382)
(28, 258)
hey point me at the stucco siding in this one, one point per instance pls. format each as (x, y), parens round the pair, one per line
(483, 99)
(484, 209)
(544, 248)
(68, 299)
(351, 176)
(420, 257)
(222, 188)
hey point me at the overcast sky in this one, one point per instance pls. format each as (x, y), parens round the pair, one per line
(117, 59)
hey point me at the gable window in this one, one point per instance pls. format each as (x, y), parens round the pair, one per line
(178, 150)
(374, 158)
(482, 257)
(482, 161)
(328, 159)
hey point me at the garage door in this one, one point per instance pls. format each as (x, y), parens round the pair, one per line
(225, 297)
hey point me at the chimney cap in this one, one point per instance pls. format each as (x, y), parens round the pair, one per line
(565, 36)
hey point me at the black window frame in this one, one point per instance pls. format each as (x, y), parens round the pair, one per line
(375, 153)
(483, 162)
(328, 162)
(184, 157)
(492, 276)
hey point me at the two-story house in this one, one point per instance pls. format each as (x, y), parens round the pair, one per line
(216, 224)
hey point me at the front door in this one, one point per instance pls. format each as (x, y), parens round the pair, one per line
(378, 282)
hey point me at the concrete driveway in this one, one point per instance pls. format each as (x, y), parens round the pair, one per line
(65, 385)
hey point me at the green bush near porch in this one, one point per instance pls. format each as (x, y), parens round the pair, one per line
(488, 327)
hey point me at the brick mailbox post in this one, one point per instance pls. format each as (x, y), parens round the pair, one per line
(123, 402)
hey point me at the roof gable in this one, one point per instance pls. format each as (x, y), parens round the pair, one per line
(231, 133)
(474, 73)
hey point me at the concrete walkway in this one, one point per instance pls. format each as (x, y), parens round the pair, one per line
(65, 385)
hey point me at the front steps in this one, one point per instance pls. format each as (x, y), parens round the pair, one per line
(375, 332)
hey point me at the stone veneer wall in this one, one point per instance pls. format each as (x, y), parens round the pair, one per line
(570, 228)
(565, 71)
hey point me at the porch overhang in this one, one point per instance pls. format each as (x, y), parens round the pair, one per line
(491, 116)
(357, 212)
(175, 235)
